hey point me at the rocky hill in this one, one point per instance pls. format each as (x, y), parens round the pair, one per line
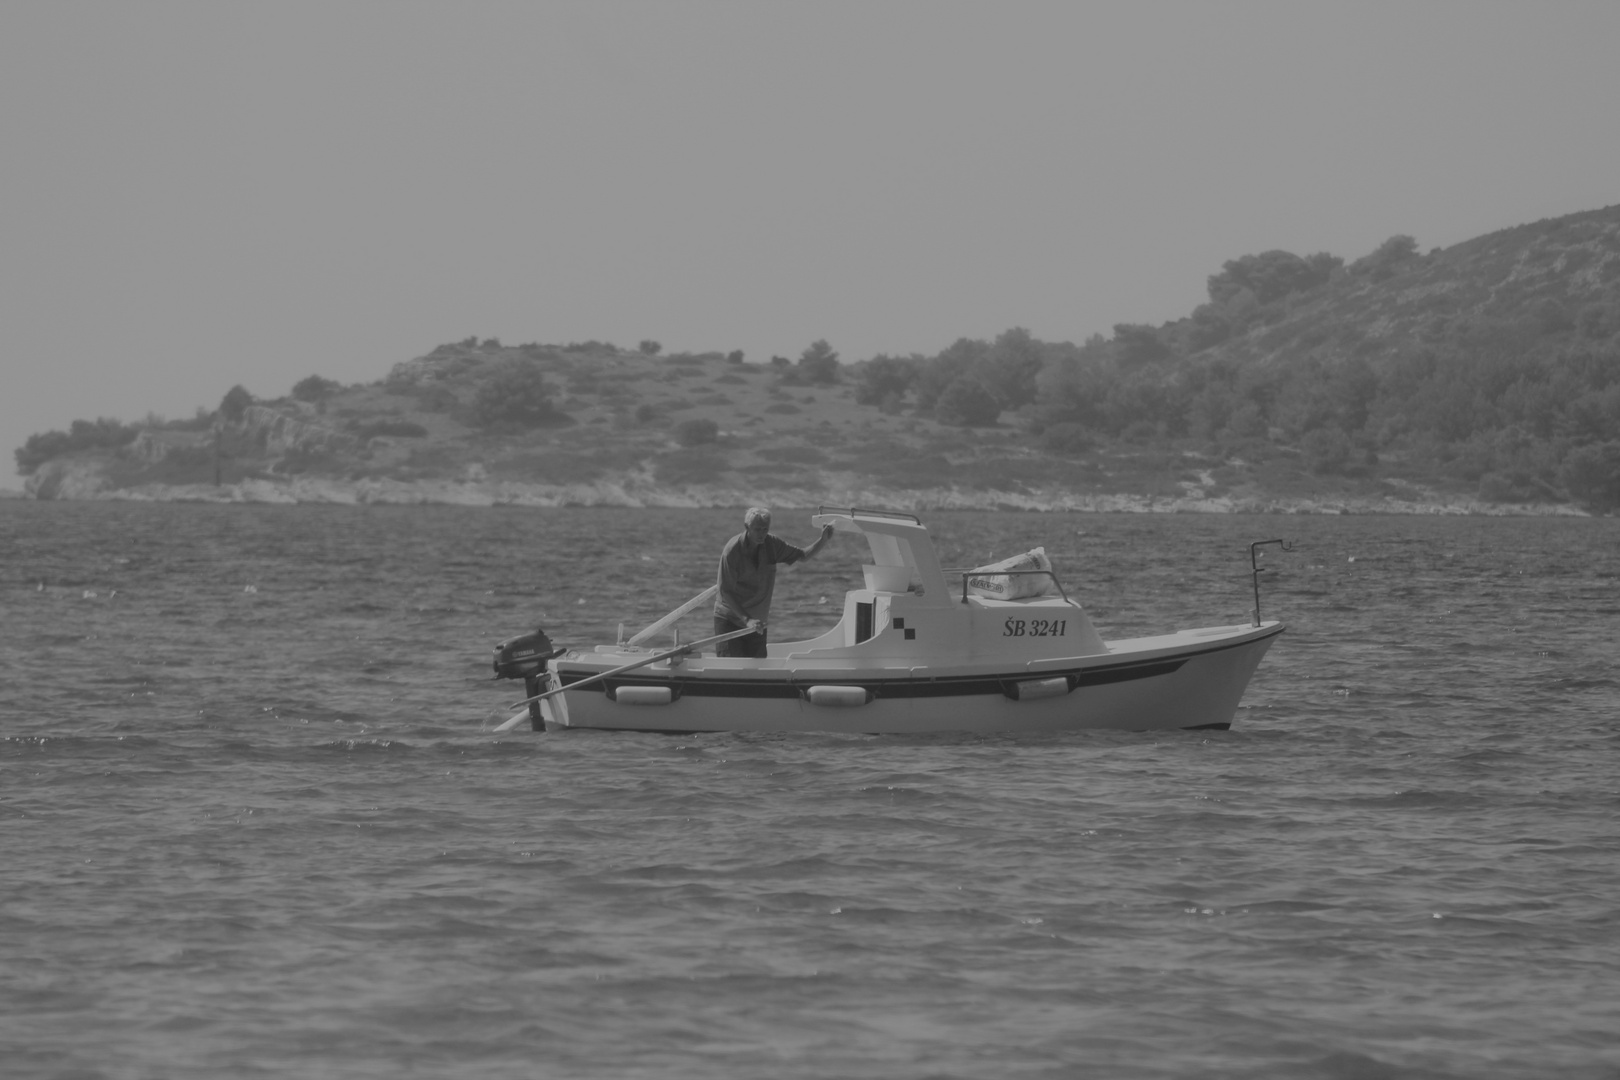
(1480, 378)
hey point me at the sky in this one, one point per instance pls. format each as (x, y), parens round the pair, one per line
(195, 195)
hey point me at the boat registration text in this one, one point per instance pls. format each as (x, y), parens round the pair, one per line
(1034, 627)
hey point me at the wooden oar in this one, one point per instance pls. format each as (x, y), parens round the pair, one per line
(672, 616)
(512, 721)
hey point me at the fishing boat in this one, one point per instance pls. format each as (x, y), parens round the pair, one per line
(919, 648)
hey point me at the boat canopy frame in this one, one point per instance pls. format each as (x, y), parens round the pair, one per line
(854, 512)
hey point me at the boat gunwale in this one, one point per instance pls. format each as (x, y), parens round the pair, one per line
(782, 681)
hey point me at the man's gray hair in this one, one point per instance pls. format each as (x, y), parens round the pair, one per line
(756, 512)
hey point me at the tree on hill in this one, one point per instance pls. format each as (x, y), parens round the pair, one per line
(1211, 324)
(235, 403)
(1137, 344)
(1014, 363)
(1271, 275)
(314, 388)
(818, 363)
(101, 434)
(1391, 257)
(883, 381)
(957, 359)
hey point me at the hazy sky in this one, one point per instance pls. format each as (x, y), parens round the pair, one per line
(194, 195)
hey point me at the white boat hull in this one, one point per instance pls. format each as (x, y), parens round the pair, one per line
(1190, 679)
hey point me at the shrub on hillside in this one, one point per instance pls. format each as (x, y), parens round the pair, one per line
(1510, 487)
(435, 398)
(968, 402)
(592, 348)
(301, 460)
(1392, 256)
(1138, 344)
(793, 455)
(1211, 325)
(1327, 450)
(1553, 316)
(883, 377)
(1596, 322)
(314, 388)
(396, 429)
(696, 432)
(1591, 474)
(515, 395)
(690, 465)
(201, 421)
(1067, 438)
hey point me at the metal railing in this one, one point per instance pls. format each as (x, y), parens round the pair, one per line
(1257, 569)
(851, 511)
(968, 572)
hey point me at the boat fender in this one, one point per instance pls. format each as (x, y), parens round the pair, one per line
(1035, 689)
(641, 695)
(838, 695)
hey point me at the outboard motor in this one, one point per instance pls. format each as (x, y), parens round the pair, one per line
(525, 657)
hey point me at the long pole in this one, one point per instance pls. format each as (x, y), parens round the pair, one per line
(663, 623)
(512, 721)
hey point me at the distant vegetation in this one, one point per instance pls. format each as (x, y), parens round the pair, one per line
(1491, 368)
(1494, 364)
(235, 403)
(513, 397)
(81, 435)
(315, 388)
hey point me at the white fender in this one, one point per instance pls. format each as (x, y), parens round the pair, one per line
(643, 695)
(837, 695)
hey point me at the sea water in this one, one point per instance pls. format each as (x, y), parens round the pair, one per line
(254, 822)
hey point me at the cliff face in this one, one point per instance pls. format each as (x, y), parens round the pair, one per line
(69, 478)
(277, 433)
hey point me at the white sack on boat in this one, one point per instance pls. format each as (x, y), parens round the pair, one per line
(993, 580)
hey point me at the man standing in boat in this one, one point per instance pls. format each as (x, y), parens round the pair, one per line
(748, 577)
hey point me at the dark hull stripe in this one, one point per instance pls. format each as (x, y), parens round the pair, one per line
(718, 731)
(948, 686)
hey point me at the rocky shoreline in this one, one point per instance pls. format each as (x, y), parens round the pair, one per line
(640, 492)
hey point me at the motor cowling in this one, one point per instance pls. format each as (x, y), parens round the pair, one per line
(524, 656)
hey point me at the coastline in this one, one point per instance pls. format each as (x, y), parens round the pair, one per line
(640, 492)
